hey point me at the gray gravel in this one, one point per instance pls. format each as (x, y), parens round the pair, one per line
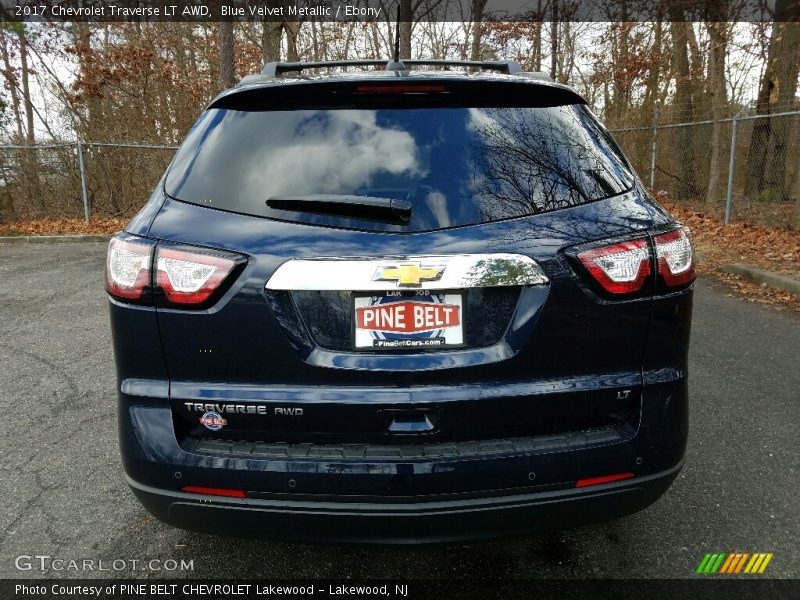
(64, 496)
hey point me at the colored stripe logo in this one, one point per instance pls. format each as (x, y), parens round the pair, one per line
(732, 563)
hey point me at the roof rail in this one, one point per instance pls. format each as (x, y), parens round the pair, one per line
(276, 69)
(537, 75)
(510, 67)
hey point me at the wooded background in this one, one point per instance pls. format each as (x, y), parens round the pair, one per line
(147, 82)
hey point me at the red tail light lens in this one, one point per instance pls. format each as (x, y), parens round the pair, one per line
(127, 269)
(619, 268)
(190, 277)
(675, 257)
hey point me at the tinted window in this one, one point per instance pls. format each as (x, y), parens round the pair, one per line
(456, 166)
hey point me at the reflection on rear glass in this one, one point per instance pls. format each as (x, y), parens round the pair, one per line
(456, 166)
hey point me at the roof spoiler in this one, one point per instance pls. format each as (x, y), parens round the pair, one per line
(276, 69)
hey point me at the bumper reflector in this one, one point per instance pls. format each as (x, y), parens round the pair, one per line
(603, 479)
(196, 489)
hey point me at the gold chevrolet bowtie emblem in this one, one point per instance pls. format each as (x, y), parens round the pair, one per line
(409, 274)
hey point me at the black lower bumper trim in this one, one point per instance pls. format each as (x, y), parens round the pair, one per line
(573, 440)
(407, 523)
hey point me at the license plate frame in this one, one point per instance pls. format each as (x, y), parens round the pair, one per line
(454, 336)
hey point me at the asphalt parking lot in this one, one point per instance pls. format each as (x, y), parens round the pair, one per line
(64, 496)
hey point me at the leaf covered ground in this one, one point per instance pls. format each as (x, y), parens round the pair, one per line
(775, 249)
(97, 226)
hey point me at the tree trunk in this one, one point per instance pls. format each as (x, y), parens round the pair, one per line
(314, 40)
(685, 187)
(31, 157)
(271, 41)
(11, 80)
(375, 37)
(292, 31)
(718, 35)
(621, 58)
(477, 19)
(775, 95)
(786, 71)
(26, 91)
(227, 76)
(695, 74)
(554, 41)
(654, 73)
(7, 212)
(537, 37)
(796, 194)
(566, 58)
(406, 24)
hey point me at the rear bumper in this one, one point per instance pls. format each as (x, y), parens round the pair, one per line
(449, 492)
(461, 519)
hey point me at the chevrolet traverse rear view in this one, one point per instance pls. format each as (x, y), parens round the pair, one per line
(400, 305)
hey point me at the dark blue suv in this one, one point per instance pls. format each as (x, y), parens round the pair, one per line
(400, 305)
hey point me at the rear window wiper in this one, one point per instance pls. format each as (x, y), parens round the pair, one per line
(346, 205)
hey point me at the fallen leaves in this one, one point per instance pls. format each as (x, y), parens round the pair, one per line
(97, 226)
(775, 249)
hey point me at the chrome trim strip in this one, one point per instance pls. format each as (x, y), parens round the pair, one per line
(442, 272)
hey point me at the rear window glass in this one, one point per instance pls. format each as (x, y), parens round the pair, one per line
(455, 166)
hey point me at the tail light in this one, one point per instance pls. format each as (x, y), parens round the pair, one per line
(190, 277)
(127, 269)
(178, 276)
(620, 268)
(675, 257)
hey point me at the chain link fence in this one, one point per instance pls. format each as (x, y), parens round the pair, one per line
(745, 168)
(78, 179)
(751, 173)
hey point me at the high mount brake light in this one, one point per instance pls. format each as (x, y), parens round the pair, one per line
(675, 257)
(418, 88)
(190, 277)
(127, 269)
(620, 268)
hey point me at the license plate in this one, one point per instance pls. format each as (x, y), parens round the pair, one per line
(424, 321)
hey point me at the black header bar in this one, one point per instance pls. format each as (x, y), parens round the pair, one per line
(385, 10)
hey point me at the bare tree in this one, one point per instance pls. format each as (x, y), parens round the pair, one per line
(26, 89)
(271, 41)
(776, 93)
(654, 72)
(406, 25)
(477, 18)
(21, 88)
(12, 83)
(537, 37)
(227, 75)
(620, 80)
(796, 194)
(685, 187)
(717, 89)
(292, 31)
(553, 39)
